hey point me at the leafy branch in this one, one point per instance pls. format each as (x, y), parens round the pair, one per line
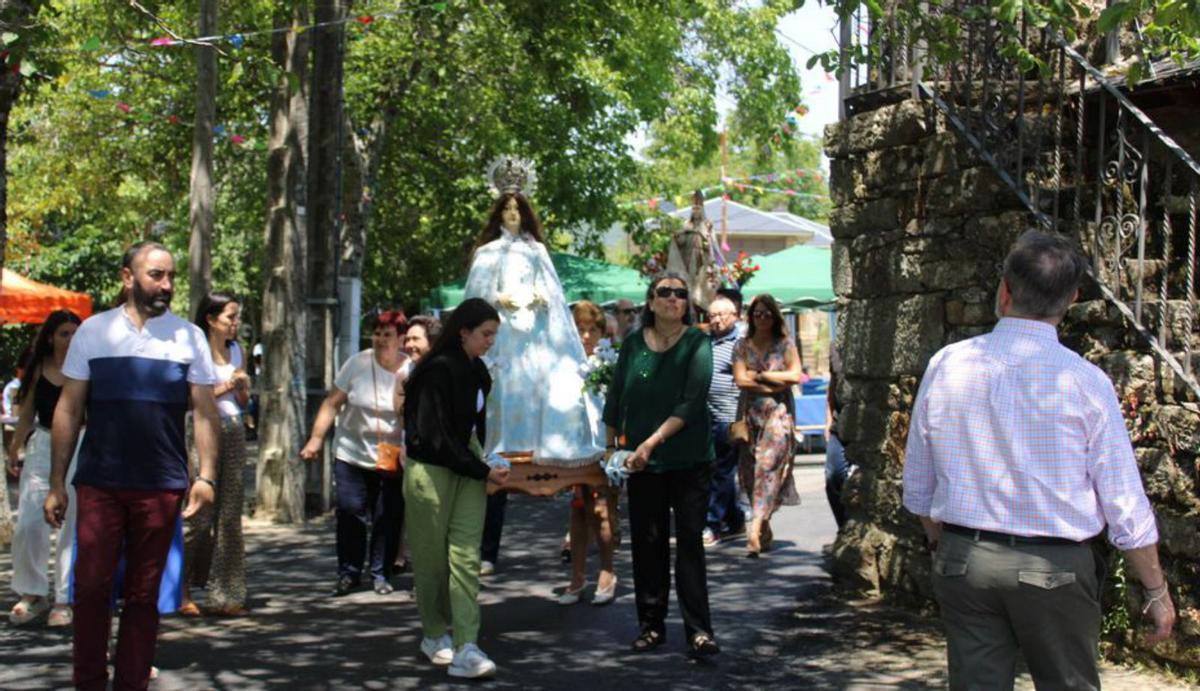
(1165, 28)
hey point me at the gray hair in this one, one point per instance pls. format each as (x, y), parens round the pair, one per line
(1042, 272)
(722, 300)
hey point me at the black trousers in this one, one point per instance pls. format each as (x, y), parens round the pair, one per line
(652, 498)
(366, 498)
(493, 527)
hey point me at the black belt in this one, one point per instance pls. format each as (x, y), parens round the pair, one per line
(991, 536)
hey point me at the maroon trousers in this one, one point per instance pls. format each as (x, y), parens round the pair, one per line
(144, 522)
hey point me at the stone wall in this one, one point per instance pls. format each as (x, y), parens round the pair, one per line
(921, 227)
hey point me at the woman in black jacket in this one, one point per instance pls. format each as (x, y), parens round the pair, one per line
(445, 485)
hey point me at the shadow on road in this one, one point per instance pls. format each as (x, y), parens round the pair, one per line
(775, 617)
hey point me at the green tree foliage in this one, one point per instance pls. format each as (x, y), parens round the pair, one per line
(99, 155)
(564, 82)
(1168, 27)
(1164, 28)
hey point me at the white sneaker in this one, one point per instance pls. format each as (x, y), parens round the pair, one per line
(470, 663)
(486, 568)
(440, 650)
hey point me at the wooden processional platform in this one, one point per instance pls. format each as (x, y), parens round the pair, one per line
(548, 480)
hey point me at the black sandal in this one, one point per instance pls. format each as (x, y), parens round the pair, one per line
(648, 640)
(703, 645)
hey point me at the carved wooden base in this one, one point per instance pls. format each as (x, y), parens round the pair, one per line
(548, 480)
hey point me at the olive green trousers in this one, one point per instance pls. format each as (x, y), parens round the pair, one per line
(443, 512)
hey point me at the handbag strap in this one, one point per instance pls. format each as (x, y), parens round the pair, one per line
(375, 386)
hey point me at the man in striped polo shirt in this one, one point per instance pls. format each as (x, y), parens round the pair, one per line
(724, 517)
(1017, 458)
(134, 369)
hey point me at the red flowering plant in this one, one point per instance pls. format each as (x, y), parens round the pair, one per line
(740, 270)
(653, 264)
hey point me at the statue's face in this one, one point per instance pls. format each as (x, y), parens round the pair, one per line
(511, 216)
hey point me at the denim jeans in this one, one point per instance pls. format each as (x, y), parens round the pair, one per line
(837, 469)
(364, 497)
(723, 505)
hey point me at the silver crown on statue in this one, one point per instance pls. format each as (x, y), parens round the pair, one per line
(508, 174)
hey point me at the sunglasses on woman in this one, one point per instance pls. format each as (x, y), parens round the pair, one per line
(665, 292)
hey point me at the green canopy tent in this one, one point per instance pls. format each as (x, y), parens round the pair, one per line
(582, 279)
(801, 276)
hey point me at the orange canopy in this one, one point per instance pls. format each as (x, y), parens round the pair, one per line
(24, 301)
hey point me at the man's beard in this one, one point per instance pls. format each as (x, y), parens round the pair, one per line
(153, 304)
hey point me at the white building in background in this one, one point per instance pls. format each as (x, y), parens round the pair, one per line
(749, 230)
(752, 231)
(821, 235)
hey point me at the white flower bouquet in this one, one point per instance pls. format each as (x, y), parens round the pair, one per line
(599, 368)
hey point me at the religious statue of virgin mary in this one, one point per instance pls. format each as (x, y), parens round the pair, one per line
(537, 406)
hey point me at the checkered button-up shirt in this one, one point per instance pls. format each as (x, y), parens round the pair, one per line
(1014, 433)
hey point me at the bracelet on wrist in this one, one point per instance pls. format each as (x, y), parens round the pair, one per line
(210, 483)
(1155, 592)
(1153, 595)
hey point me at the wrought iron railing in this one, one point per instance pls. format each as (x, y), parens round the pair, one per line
(1065, 138)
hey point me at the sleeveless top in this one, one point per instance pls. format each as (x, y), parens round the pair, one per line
(45, 397)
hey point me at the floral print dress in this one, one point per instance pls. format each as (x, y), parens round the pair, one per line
(766, 470)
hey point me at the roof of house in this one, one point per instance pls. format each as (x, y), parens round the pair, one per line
(745, 220)
(821, 235)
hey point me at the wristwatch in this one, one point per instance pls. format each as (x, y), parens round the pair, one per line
(210, 483)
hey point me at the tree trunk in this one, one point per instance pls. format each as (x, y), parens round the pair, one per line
(201, 214)
(280, 473)
(324, 214)
(9, 89)
(362, 153)
(15, 14)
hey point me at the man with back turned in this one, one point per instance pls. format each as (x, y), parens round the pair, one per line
(1017, 458)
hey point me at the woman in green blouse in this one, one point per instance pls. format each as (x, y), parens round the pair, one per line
(656, 409)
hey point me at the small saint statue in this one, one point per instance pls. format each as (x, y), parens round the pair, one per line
(690, 254)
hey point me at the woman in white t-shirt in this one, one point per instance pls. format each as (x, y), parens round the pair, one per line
(214, 552)
(363, 395)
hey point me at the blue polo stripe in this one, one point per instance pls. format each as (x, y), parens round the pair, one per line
(135, 435)
(138, 379)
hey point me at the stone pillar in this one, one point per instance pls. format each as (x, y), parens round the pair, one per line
(920, 230)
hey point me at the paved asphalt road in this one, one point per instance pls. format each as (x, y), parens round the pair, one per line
(777, 618)
(299, 637)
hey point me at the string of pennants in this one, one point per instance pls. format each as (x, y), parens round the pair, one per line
(238, 39)
(741, 185)
(789, 127)
(236, 135)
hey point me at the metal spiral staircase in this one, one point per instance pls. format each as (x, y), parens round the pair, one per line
(1072, 147)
